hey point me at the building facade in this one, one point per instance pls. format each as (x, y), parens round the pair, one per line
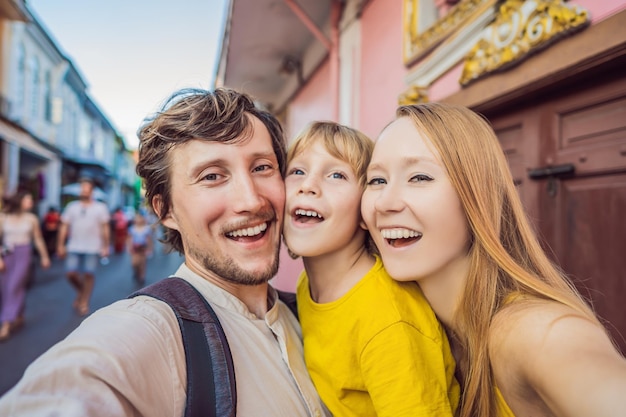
(548, 74)
(52, 131)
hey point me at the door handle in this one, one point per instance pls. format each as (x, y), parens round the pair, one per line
(552, 173)
(555, 171)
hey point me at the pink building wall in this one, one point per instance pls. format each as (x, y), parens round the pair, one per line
(600, 9)
(382, 67)
(311, 103)
(448, 83)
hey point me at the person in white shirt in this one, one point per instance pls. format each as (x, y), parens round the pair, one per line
(213, 167)
(85, 227)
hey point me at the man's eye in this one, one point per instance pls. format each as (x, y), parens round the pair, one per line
(210, 177)
(264, 167)
(376, 181)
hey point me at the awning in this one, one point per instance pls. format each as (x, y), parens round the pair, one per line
(266, 47)
(87, 162)
(24, 140)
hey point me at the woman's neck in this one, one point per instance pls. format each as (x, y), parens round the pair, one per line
(444, 290)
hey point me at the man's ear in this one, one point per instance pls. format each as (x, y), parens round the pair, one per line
(168, 220)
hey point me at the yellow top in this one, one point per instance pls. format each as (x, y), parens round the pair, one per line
(378, 351)
(503, 407)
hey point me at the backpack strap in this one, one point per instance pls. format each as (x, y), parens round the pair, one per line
(211, 389)
(289, 298)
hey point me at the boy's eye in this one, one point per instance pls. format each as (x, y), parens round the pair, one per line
(296, 171)
(338, 175)
(421, 178)
(376, 181)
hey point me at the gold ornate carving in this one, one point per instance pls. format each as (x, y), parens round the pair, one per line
(418, 41)
(520, 29)
(413, 95)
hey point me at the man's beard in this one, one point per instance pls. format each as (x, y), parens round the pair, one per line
(227, 269)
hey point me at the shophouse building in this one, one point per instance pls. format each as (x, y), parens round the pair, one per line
(549, 76)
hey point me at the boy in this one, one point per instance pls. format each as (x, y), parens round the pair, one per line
(373, 346)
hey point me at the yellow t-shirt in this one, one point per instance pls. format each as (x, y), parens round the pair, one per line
(503, 407)
(378, 351)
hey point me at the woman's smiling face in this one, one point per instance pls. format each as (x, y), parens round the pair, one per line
(411, 208)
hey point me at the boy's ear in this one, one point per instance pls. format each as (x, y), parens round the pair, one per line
(168, 220)
(363, 225)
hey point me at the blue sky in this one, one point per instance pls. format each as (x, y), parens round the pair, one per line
(134, 53)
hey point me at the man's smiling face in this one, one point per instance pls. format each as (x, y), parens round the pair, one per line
(227, 204)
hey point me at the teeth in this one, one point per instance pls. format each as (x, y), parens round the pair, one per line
(308, 213)
(250, 231)
(399, 233)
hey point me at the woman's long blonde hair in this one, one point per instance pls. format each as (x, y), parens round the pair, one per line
(505, 254)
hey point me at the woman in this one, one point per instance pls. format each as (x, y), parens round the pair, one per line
(443, 210)
(140, 247)
(19, 228)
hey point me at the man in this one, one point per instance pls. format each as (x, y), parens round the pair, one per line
(87, 223)
(213, 168)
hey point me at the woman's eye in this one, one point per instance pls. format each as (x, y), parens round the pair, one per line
(421, 178)
(376, 181)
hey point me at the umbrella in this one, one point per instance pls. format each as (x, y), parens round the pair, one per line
(74, 190)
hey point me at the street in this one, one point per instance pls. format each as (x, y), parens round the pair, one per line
(49, 314)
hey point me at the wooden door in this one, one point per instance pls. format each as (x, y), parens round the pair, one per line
(588, 233)
(579, 215)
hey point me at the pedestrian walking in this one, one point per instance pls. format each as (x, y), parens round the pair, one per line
(140, 246)
(20, 229)
(85, 226)
(119, 223)
(50, 229)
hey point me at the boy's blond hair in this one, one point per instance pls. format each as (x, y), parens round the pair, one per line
(342, 142)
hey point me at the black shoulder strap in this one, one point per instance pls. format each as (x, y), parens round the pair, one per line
(289, 298)
(203, 337)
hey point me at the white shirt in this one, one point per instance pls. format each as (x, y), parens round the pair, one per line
(85, 225)
(127, 359)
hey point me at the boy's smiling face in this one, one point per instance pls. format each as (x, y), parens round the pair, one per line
(322, 213)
